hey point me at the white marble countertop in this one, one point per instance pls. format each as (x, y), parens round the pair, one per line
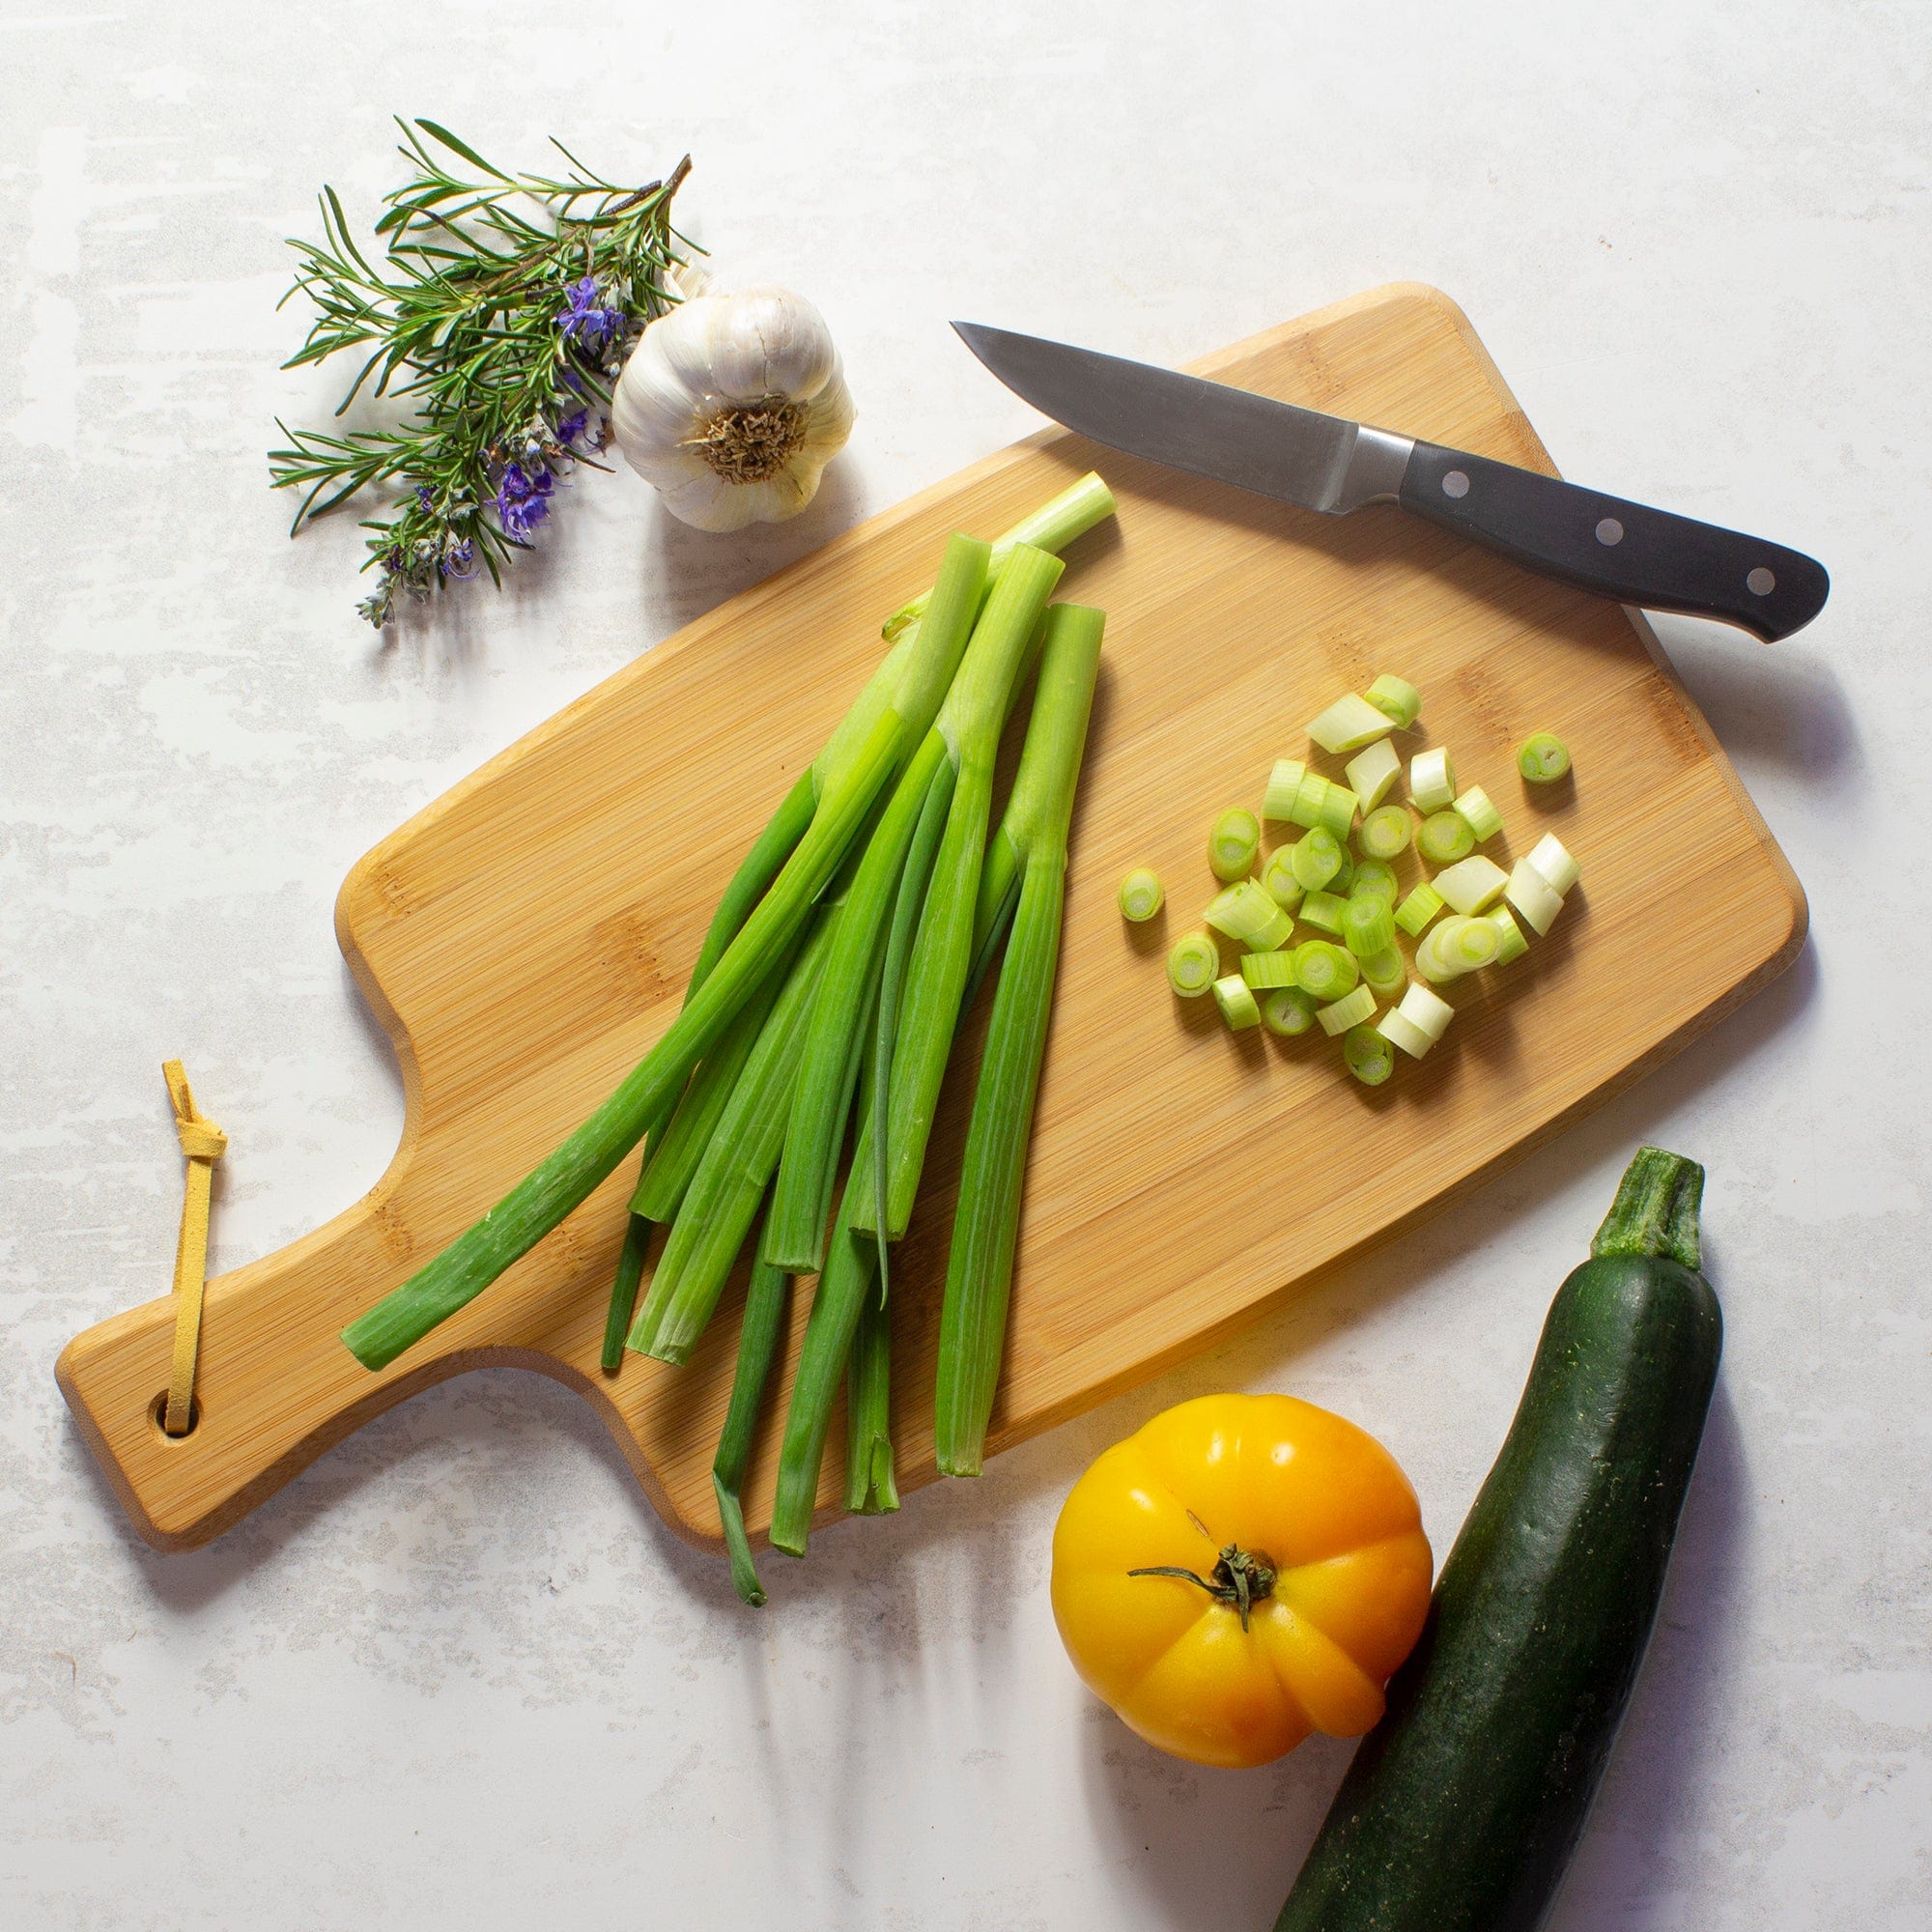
(457, 1673)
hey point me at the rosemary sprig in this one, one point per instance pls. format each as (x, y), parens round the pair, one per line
(501, 310)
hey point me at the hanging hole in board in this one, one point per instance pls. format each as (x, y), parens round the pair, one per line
(158, 1410)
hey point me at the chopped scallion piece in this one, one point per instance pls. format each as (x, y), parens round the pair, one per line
(1264, 970)
(1368, 1056)
(1338, 810)
(1396, 698)
(1432, 780)
(1374, 878)
(1368, 925)
(1246, 913)
(1310, 796)
(1404, 1033)
(1316, 858)
(1533, 896)
(1237, 1004)
(1349, 723)
(1543, 758)
(1429, 1013)
(1141, 896)
(1473, 885)
(1233, 843)
(1372, 772)
(1324, 972)
(1552, 860)
(1474, 809)
(1343, 881)
(1415, 912)
(1284, 783)
(1194, 965)
(1386, 971)
(1278, 879)
(1513, 944)
(1325, 910)
(1347, 1013)
(1386, 832)
(1455, 946)
(1444, 839)
(1287, 1010)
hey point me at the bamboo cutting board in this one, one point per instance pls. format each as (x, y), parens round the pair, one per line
(528, 936)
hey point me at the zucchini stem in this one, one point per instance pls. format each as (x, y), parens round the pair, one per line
(1656, 1209)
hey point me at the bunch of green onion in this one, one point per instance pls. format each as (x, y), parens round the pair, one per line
(822, 1008)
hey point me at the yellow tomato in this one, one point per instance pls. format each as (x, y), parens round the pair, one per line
(1232, 1496)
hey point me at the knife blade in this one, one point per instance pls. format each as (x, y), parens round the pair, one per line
(1630, 552)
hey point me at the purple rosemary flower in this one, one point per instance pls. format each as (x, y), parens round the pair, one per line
(459, 559)
(423, 497)
(572, 426)
(523, 500)
(585, 319)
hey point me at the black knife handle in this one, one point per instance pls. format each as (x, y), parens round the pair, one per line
(1626, 550)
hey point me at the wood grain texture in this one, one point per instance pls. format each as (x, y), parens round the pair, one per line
(528, 936)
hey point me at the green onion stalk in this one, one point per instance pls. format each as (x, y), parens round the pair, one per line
(765, 909)
(849, 1281)
(765, 1301)
(985, 1228)
(667, 1164)
(822, 1102)
(870, 1485)
(1027, 837)
(735, 1170)
(1051, 528)
(971, 721)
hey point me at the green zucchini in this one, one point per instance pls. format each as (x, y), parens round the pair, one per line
(1462, 1806)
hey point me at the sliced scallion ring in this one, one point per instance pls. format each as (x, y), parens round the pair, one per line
(1371, 772)
(1472, 805)
(1287, 1010)
(1141, 896)
(1415, 912)
(1233, 843)
(1369, 1057)
(1543, 758)
(1397, 698)
(1237, 1004)
(1283, 785)
(1444, 839)
(1193, 965)
(1386, 831)
(1432, 780)
(1324, 972)
(1350, 1011)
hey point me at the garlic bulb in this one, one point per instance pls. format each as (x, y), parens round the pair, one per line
(731, 405)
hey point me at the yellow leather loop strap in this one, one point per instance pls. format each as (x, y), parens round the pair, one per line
(204, 1144)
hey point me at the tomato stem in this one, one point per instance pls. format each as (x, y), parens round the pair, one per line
(1239, 1576)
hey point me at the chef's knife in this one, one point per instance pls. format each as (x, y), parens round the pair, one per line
(1626, 550)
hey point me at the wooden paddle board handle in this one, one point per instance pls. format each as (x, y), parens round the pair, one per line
(277, 1387)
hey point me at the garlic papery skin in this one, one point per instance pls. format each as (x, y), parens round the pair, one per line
(731, 405)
